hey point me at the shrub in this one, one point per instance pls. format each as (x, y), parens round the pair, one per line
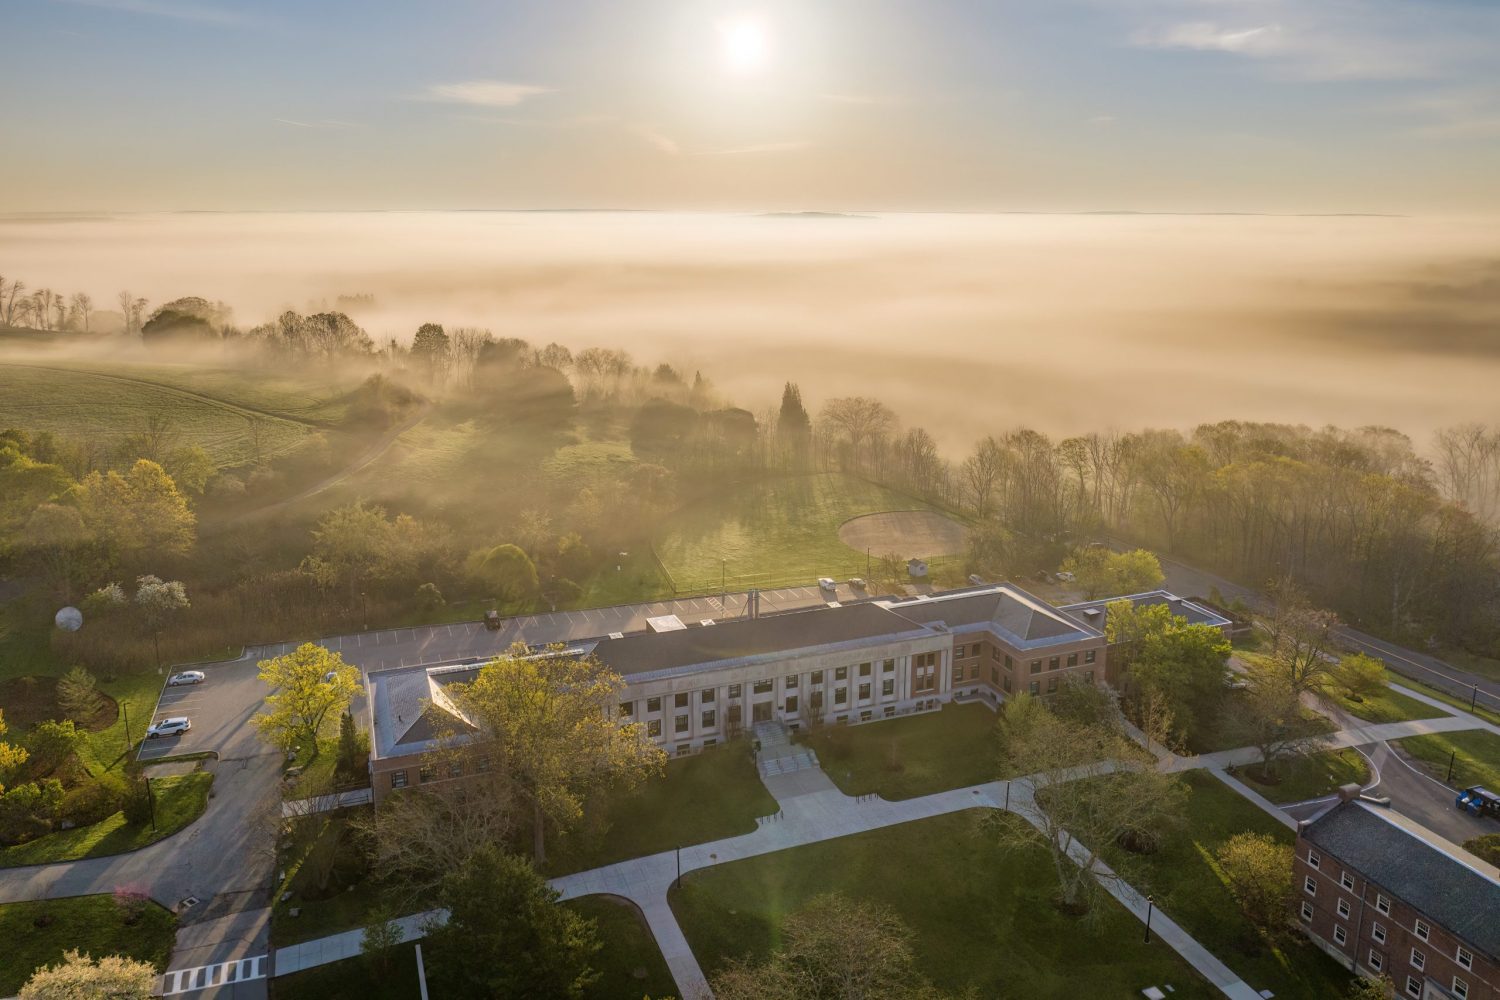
(137, 802)
(91, 802)
(429, 597)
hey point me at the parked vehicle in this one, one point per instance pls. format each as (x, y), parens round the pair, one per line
(492, 620)
(857, 582)
(187, 677)
(827, 583)
(1478, 801)
(976, 579)
(1065, 576)
(169, 727)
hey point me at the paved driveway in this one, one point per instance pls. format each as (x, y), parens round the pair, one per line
(220, 709)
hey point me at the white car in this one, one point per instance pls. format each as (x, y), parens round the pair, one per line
(826, 583)
(857, 582)
(1065, 576)
(187, 677)
(169, 727)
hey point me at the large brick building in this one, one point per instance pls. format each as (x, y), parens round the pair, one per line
(1386, 896)
(695, 684)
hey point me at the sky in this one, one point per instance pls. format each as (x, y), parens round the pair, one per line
(1277, 106)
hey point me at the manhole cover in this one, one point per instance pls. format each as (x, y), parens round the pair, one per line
(191, 901)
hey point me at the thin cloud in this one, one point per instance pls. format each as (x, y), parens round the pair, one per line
(176, 11)
(671, 147)
(1207, 36)
(484, 93)
(327, 123)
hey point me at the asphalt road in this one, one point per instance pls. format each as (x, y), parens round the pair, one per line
(220, 709)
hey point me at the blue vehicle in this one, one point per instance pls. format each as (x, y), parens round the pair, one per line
(1479, 802)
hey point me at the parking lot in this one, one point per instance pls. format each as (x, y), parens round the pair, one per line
(220, 709)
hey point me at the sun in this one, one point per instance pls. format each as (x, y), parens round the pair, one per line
(744, 45)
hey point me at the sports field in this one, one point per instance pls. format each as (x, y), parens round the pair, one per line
(104, 408)
(783, 531)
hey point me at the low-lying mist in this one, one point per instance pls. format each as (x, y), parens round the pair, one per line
(962, 324)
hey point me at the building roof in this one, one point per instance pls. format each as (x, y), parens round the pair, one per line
(1023, 620)
(1455, 889)
(1095, 612)
(748, 638)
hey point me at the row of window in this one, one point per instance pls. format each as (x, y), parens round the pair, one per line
(427, 772)
(1053, 663)
(789, 683)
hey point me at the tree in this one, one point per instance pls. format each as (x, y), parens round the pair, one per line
(1099, 787)
(11, 755)
(51, 743)
(1258, 869)
(793, 425)
(833, 948)
(191, 468)
(78, 694)
(1186, 666)
(1359, 676)
(1271, 718)
(80, 308)
(1379, 988)
(157, 602)
(552, 717)
(79, 977)
(1128, 626)
(431, 349)
(1301, 635)
(137, 512)
(308, 684)
(1100, 571)
(506, 936)
(382, 933)
(508, 573)
(186, 320)
(350, 748)
(858, 419)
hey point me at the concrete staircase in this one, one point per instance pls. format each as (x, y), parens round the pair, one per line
(777, 753)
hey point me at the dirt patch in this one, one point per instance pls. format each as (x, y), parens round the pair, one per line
(908, 533)
(29, 700)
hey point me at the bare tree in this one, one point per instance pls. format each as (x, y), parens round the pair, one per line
(80, 306)
(8, 299)
(1302, 637)
(858, 419)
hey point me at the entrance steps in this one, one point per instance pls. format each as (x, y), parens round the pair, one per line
(777, 754)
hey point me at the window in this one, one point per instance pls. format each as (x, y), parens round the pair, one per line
(995, 653)
(1314, 859)
(653, 728)
(653, 704)
(889, 666)
(680, 724)
(680, 700)
(925, 659)
(815, 700)
(1465, 958)
(683, 749)
(709, 718)
(791, 705)
(706, 696)
(1072, 659)
(1460, 988)
(1089, 655)
(1343, 908)
(817, 677)
(1375, 961)
(790, 683)
(627, 708)
(1423, 929)
(1052, 662)
(841, 673)
(483, 763)
(398, 779)
(710, 743)
(1347, 881)
(841, 696)
(959, 652)
(1307, 910)
(1036, 666)
(764, 687)
(1377, 932)
(1310, 885)
(1036, 687)
(1418, 960)
(1007, 683)
(1009, 663)
(994, 675)
(1088, 677)
(887, 687)
(1382, 903)
(424, 774)
(734, 690)
(1413, 987)
(864, 692)
(864, 669)
(1051, 685)
(1339, 934)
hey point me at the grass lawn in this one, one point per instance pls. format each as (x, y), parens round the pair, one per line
(1183, 877)
(92, 924)
(932, 752)
(1220, 735)
(780, 531)
(1485, 666)
(354, 979)
(180, 799)
(630, 965)
(342, 903)
(1309, 777)
(1385, 706)
(1476, 759)
(1479, 709)
(981, 918)
(705, 797)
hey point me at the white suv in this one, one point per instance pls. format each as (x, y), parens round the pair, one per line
(169, 727)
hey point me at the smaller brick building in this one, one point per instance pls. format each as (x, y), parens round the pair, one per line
(1385, 895)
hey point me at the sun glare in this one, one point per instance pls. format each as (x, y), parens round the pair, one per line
(744, 45)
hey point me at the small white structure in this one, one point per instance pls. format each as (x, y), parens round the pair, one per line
(69, 619)
(916, 567)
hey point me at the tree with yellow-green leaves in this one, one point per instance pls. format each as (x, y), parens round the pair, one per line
(78, 976)
(551, 715)
(1258, 869)
(310, 684)
(11, 756)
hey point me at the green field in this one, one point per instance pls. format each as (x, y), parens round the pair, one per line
(104, 408)
(1475, 755)
(774, 533)
(37, 933)
(981, 917)
(910, 756)
(1385, 705)
(1310, 777)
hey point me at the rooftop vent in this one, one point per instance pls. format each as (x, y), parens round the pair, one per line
(665, 623)
(617, 635)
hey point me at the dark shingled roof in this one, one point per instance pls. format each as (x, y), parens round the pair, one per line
(1453, 894)
(1002, 608)
(432, 723)
(642, 652)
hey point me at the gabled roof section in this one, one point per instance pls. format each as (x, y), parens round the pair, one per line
(1021, 619)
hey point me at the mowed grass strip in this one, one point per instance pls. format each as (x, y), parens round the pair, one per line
(36, 933)
(773, 533)
(1385, 705)
(180, 799)
(630, 965)
(1475, 755)
(1309, 777)
(911, 755)
(981, 917)
(318, 395)
(97, 407)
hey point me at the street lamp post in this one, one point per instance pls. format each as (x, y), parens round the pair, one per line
(125, 710)
(364, 602)
(1451, 755)
(679, 866)
(1150, 902)
(151, 798)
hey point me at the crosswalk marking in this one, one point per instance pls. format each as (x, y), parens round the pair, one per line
(204, 976)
